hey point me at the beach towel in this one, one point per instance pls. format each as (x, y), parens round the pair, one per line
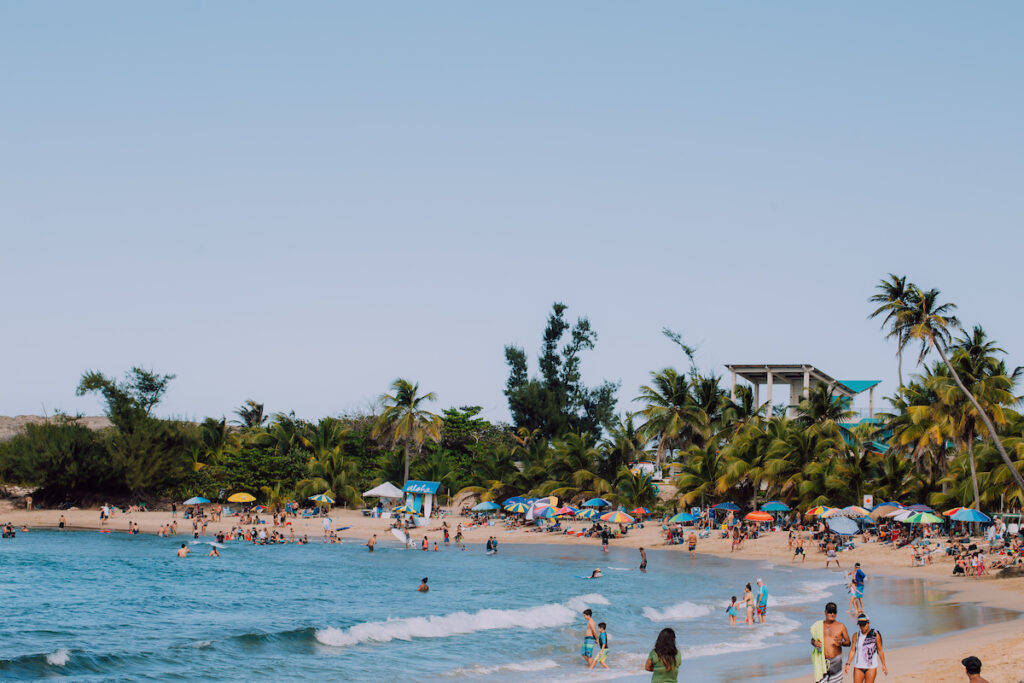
(818, 654)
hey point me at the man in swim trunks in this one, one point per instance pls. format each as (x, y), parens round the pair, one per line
(604, 538)
(643, 560)
(834, 639)
(799, 551)
(423, 586)
(691, 543)
(762, 600)
(372, 542)
(590, 639)
(830, 553)
(60, 524)
(183, 551)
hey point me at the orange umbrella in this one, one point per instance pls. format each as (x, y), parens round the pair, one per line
(759, 516)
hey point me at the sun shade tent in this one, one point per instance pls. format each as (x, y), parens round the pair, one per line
(385, 490)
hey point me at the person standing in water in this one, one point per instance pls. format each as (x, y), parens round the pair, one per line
(866, 653)
(731, 611)
(858, 588)
(828, 638)
(643, 560)
(665, 659)
(602, 646)
(590, 638)
(183, 551)
(423, 586)
(762, 600)
(372, 542)
(748, 601)
(691, 544)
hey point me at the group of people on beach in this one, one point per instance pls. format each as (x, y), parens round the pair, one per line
(753, 603)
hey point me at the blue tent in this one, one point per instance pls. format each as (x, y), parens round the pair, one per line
(727, 506)
(775, 506)
(970, 515)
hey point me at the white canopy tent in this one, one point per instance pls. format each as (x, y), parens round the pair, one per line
(385, 490)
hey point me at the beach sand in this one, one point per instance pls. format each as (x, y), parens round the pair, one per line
(999, 646)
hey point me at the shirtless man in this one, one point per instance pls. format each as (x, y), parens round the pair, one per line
(372, 542)
(643, 560)
(972, 666)
(691, 543)
(590, 639)
(799, 551)
(183, 551)
(830, 553)
(834, 638)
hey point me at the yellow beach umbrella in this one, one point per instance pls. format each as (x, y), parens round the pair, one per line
(241, 498)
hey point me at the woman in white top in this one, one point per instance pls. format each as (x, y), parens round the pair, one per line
(866, 653)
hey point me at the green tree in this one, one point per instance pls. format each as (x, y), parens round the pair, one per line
(405, 420)
(558, 402)
(893, 297)
(669, 411)
(250, 415)
(129, 401)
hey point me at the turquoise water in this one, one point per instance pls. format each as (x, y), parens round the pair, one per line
(93, 607)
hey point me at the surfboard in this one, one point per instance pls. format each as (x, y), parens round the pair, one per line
(400, 536)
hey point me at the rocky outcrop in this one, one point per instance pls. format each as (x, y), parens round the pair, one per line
(10, 426)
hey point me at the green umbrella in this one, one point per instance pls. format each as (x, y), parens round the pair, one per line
(923, 518)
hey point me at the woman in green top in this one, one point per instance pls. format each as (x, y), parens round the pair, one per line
(665, 659)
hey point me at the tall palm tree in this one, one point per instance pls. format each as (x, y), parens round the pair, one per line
(250, 414)
(405, 420)
(333, 474)
(894, 296)
(699, 476)
(669, 409)
(931, 322)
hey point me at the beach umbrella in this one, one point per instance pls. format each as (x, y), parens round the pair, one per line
(640, 511)
(588, 513)
(566, 510)
(880, 511)
(597, 503)
(517, 508)
(855, 511)
(728, 505)
(241, 498)
(775, 506)
(970, 515)
(486, 506)
(815, 511)
(900, 515)
(920, 507)
(758, 516)
(197, 500)
(882, 505)
(953, 511)
(844, 526)
(867, 520)
(404, 510)
(260, 508)
(321, 498)
(832, 512)
(515, 499)
(682, 518)
(617, 517)
(922, 518)
(546, 513)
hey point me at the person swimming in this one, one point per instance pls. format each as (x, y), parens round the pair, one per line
(214, 552)
(183, 551)
(423, 588)
(596, 574)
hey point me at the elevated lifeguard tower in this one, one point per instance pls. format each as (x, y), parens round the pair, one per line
(800, 377)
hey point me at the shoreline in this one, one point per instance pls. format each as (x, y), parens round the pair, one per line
(935, 661)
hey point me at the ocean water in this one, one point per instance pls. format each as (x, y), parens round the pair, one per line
(101, 607)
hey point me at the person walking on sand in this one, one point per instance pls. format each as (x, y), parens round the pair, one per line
(828, 638)
(590, 638)
(762, 600)
(857, 588)
(866, 652)
(665, 660)
(972, 666)
(643, 560)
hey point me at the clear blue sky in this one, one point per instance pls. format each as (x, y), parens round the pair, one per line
(300, 202)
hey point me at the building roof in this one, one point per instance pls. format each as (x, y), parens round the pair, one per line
(859, 385)
(793, 373)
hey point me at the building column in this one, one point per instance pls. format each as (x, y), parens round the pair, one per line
(871, 402)
(732, 395)
(770, 379)
(807, 383)
(757, 396)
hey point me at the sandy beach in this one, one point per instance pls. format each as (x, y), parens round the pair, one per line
(938, 661)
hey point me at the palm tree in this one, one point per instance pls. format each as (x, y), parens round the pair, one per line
(700, 476)
(328, 437)
(622, 446)
(894, 296)
(276, 497)
(571, 469)
(635, 489)
(822, 407)
(250, 414)
(333, 474)
(405, 420)
(669, 409)
(930, 322)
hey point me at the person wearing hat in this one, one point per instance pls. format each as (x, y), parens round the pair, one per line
(866, 653)
(972, 665)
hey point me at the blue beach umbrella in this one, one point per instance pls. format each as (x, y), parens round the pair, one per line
(682, 518)
(729, 505)
(196, 500)
(597, 503)
(321, 498)
(515, 499)
(844, 526)
(486, 506)
(775, 506)
(517, 508)
(970, 515)
(588, 513)
(546, 513)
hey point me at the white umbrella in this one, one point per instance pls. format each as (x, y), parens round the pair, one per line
(900, 515)
(385, 490)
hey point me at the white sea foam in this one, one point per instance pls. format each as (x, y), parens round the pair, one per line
(459, 623)
(58, 658)
(811, 591)
(679, 611)
(480, 670)
(757, 637)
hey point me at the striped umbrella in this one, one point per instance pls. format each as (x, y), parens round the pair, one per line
(970, 515)
(949, 513)
(404, 510)
(517, 508)
(617, 517)
(588, 513)
(856, 511)
(815, 511)
(923, 518)
(546, 513)
(322, 498)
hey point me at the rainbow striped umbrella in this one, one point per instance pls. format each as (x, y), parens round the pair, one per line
(617, 517)
(546, 513)
(815, 511)
(856, 511)
(567, 510)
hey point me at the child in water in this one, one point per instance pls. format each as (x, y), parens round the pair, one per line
(602, 644)
(731, 611)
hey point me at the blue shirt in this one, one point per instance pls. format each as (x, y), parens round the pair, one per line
(859, 577)
(762, 595)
